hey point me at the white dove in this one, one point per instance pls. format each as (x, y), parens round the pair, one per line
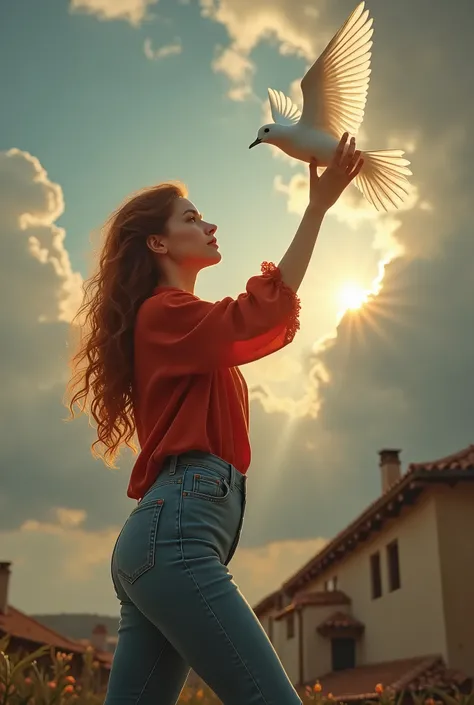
(334, 96)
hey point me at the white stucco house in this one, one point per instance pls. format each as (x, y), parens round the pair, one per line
(390, 599)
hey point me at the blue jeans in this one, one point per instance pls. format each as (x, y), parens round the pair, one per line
(180, 607)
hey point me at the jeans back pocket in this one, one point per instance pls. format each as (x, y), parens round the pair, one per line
(135, 550)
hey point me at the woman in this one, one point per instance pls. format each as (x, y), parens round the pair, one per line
(161, 363)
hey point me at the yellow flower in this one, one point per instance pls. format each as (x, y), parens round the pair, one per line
(379, 688)
(317, 687)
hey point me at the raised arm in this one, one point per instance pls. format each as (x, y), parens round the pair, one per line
(186, 335)
(323, 193)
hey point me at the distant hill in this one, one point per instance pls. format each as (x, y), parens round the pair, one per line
(77, 626)
(80, 626)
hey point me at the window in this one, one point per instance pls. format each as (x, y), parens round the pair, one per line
(376, 575)
(343, 654)
(393, 564)
(331, 584)
(290, 626)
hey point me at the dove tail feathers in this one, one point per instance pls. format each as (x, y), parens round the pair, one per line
(383, 178)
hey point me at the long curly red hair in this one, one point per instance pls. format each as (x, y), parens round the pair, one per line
(102, 366)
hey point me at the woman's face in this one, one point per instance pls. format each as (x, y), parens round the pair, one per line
(189, 240)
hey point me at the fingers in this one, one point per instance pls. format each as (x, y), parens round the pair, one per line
(357, 166)
(347, 159)
(338, 156)
(352, 159)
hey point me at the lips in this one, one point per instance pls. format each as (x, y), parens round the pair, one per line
(213, 243)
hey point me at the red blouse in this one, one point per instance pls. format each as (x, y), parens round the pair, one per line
(188, 391)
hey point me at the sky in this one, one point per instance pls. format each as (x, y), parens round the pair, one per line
(103, 97)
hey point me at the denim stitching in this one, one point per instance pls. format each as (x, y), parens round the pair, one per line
(216, 500)
(191, 574)
(151, 543)
(151, 672)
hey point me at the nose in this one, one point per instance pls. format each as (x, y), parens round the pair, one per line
(210, 228)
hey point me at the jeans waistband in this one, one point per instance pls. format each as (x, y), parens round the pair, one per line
(206, 460)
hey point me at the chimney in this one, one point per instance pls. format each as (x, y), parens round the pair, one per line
(390, 468)
(4, 584)
(99, 637)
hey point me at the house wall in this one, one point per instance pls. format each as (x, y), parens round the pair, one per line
(455, 521)
(402, 624)
(317, 656)
(288, 649)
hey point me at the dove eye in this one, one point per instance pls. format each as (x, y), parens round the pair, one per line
(267, 129)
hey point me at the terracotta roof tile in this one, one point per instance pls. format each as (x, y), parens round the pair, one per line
(18, 624)
(359, 683)
(462, 460)
(325, 597)
(267, 603)
(340, 620)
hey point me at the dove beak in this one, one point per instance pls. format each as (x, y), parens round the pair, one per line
(254, 144)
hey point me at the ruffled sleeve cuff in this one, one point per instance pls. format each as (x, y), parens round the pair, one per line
(270, 270)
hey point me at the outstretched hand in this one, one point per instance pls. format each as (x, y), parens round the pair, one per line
(324, 190)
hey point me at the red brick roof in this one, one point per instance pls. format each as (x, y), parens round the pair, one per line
(19, 625)
(359, 683)
(267, 603)
(463, 460)
(326, 597)
(340, 620)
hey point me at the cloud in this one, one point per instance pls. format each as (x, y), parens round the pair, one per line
(162, 52)
(292, 26)
(398, 372)
(75, 565)
(247, 23)
(239, 70)
(45, 462)
(133, 11)
(260, 570)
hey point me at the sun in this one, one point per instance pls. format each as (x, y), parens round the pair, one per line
(352, 297)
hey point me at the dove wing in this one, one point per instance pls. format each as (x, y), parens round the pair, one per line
(284, 111)
(335, 87)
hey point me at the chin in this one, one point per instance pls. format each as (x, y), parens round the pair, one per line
(213, 259)
(216, 258)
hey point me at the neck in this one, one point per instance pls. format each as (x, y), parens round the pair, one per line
(177, 278)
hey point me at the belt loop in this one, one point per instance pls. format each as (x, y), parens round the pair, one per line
(173, 464)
